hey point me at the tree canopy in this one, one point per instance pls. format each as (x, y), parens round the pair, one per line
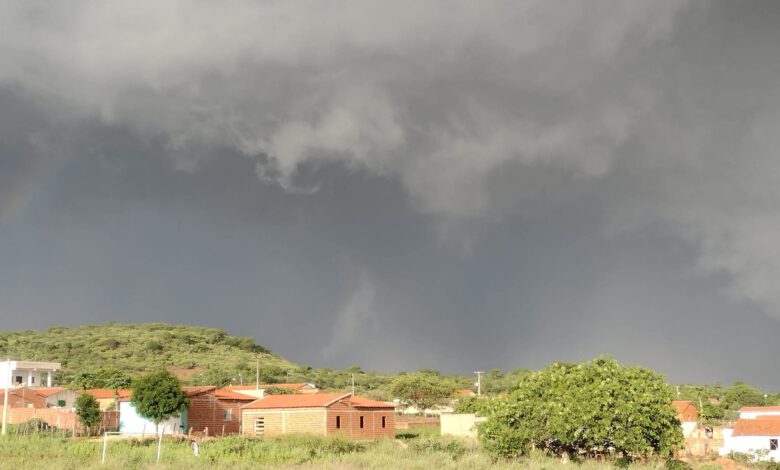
(421, 389)
(158, 396)
(88, 411)
(594, 408)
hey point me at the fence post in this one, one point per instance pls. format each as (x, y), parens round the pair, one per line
(159, 445)
(105, 443)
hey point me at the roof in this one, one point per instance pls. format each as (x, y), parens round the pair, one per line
(761, 426)
(227, 394)
(463, 392)
(198, 390)
(48, 391)
(105, 393)
(759, 408)
(362, 402)
(681, 405)
(312, 400)
(295, 386)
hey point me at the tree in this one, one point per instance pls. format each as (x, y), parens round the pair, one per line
(158, 396)
(594, 408)
(88, 411)
(422, 390)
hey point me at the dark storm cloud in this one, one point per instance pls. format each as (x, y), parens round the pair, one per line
(459, 184)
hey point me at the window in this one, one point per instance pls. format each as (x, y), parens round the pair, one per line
(383, 421)
(259, 426)
(772, 444)
(32, 380)
(338, 422)
(228, 414)
(19, 379)
(361, 422)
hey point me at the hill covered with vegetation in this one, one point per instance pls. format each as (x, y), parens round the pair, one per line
(194, 353)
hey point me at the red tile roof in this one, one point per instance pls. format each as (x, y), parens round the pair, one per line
(686, 411)
(104, 393)
(228, 394)
(198, 390)
(312, 400)
(47, 391)
(761, 426)
(362, 402)
(760, 408)
(296, 386)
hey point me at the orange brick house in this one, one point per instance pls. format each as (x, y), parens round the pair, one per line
(23, 397)
(687, 414)
(107, 399)
(215, 411)
(258, 391)
(319, 413)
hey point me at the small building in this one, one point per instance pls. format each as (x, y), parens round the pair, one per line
(258, 391)
(758, 437)
(753, 412)
(58, 397)
(460, 424)
(108, 399)
(688, 416)
(29, 373)
(319, 413)
(22, 397)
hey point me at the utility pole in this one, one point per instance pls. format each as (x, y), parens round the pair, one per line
(257, 372)
(353, 383)
(479, 381)
(5, 399)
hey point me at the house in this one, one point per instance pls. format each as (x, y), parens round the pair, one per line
(58, 397)
(22, 397)
(258, 391)
(319, 413)
(687, 414)
(29, 373)
(464, 392)
(130, 422)
(753, 412)
(107, 399)
(758, 436)
(214, 411)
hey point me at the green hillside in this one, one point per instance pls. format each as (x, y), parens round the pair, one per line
(195, 354)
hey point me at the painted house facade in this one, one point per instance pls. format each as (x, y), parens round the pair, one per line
(324, 414)
(27, 373)
(108, 399)
(758, 436)
(688, 415)
(753, 412)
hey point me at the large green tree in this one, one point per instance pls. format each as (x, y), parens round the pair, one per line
(421, 389)
(88, 411)
(158, 396)
(594, 408)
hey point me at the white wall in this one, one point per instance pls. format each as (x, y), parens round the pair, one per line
(460, 424)
(755, 414)
(748, 445)
(131, 423)
(688, 427)
(33, 374)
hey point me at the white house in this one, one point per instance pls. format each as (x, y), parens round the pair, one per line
(688, 416)
(130, 422)
(753, 412)
(29, 373)
(757, 437)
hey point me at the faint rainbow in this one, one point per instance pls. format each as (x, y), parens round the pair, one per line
(17, 196)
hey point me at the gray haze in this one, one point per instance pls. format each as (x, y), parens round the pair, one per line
(399, 185)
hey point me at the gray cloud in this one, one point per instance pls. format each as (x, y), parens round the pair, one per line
(385, 128)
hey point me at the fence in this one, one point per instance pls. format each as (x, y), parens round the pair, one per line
(59, 418)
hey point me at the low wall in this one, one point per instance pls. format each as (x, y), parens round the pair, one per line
(58, 418)
(411, 422)
(460, 424)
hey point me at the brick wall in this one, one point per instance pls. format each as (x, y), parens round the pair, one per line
(349, 420)
(293, 420)
(58, 418)
(207, 411)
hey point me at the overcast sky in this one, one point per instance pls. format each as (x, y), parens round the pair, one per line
(406, 184)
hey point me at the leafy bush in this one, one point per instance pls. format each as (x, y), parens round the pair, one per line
(594, 408)
(677, 465)
(453, 448)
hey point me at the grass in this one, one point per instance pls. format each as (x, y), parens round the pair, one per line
(45, 451)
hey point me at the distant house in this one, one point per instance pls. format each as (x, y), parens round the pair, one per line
(688, 416)
(29, 373)
(463, 392)
(108, 399)
(758, 436)
(22, 397)
(753, 412)
(319, 413)
(58, 397)
(258, 391)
